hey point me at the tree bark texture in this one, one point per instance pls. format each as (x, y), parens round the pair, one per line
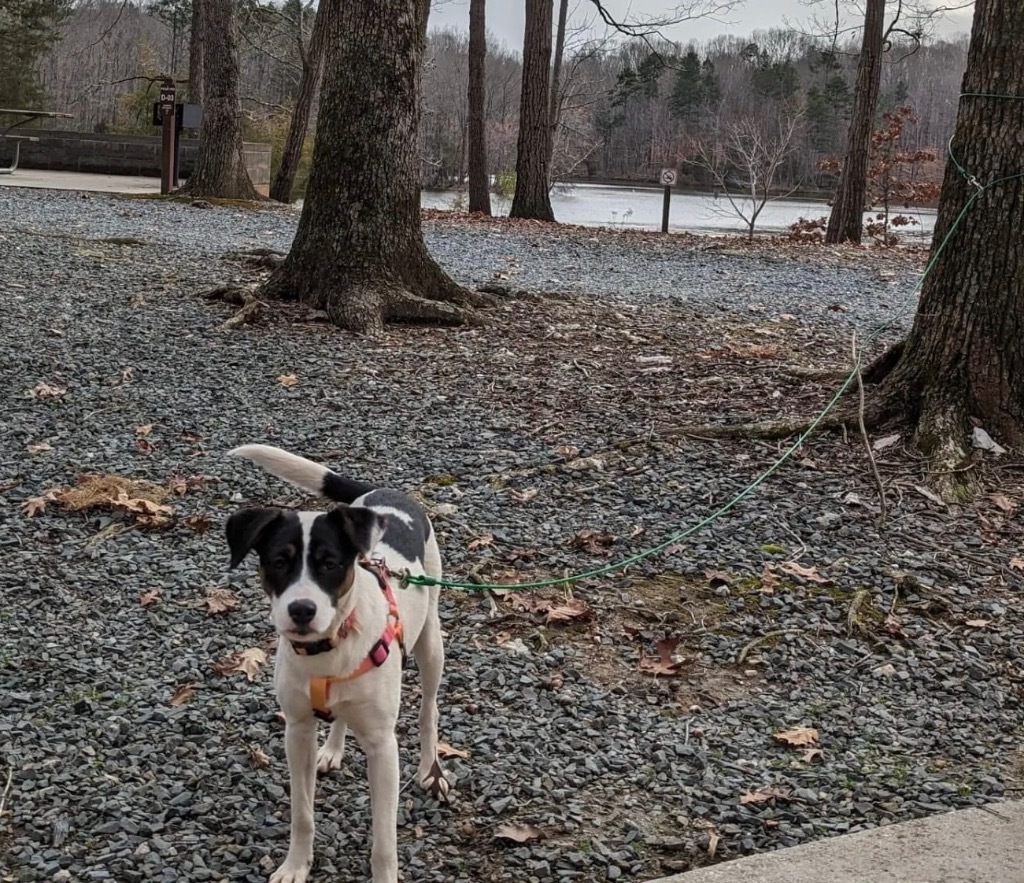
(479, 183)
(531, 199)
(220, 167)
(555, 108)
(846, 222)
(195, 54)
(964, 358)
(291, 154)
(358, 252)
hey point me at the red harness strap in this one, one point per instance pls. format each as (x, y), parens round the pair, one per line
(320, 688)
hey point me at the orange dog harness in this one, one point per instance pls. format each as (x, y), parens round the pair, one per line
(320, 688)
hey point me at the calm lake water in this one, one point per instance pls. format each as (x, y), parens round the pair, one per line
(639, 208)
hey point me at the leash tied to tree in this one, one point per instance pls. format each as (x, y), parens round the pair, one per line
(407, 579)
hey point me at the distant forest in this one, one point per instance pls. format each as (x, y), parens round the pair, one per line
(628, 108)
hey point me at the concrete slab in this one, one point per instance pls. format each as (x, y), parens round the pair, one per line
(967, 846)
(46, 180)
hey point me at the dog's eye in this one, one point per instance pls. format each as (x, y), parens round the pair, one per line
(279, 564)
(327, 565)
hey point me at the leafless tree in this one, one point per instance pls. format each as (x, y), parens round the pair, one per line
(743, 159)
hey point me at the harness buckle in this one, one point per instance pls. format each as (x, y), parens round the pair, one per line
(379, 653)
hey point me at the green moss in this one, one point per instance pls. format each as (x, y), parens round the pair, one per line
(773, 549)
(443, 480)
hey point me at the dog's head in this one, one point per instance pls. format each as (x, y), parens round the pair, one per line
(307, 561)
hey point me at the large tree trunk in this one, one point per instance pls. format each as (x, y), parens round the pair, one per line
(531, 199)
(312, 64)
(358, 251)
(195, 54)
(479, 183)
(555, 108)
(964, 358)
(220, 167)
(847, 218)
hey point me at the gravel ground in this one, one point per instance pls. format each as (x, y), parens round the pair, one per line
(132, 758)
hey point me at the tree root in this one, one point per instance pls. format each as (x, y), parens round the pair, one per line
(874, 415)
(411, 308)
(252, 309)
(884, 364)
(230, 293)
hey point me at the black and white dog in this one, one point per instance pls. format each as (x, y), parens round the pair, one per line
(343, 631)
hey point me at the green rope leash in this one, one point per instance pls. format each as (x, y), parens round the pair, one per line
(979, 188)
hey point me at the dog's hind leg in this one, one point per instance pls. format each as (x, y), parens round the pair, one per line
(330, 755)
(429, 653)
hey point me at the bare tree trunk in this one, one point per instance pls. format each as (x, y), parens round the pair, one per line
(479, 183)
(555, 110)
(312, 65)
(220, 167)
(359, 252)
(531, 199)
(963, 358)
(195, 54)
(847, 218)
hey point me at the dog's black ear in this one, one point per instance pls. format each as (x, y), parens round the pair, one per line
(363, 527)
(244, 529)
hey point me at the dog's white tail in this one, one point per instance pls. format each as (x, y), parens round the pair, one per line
(305, 473)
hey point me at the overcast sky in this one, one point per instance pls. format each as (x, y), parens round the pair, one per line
(505, 17)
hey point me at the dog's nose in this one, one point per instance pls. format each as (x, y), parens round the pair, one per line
(302, 612)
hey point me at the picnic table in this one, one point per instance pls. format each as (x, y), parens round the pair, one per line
(29, 116)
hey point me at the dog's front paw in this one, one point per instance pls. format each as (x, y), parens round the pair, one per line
(434, 782)
(329, 758)
(291, 872)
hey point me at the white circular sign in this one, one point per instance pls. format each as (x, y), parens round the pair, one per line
(668, 177)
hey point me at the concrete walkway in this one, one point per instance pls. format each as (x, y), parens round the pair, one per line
(967, 846)
(39, 178)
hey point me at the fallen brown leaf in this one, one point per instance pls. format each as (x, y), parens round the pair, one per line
(800, 737)
(183, 694)
(245, 662)
(288, 379)
(446, 750)
(812, 754)
(663, 663)
(502, 638)
(572, 610)
(40, 448)
(478, 543)
(716, 578)
(518, 833)
(596, 542)
(1017, 563)
(769, 579)
(200, 522)
(1003, 502)
(219, 600)
(145, 429)
(978, 623)
(522, 496)
(763, 795)
(34, 506)
(151, 597)
(808, 573)
(144, 446)
(46, 391)
(258, 758)
(570, 452)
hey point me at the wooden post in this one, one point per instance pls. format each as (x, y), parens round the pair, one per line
(167, 145)
(668, 181)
